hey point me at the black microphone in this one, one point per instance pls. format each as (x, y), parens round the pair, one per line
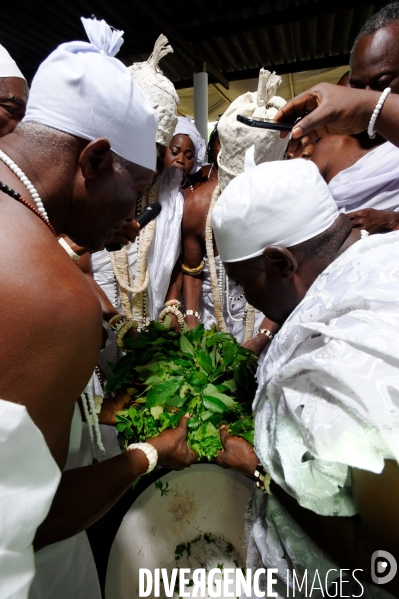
(149, 213)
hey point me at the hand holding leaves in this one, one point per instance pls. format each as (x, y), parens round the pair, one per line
(236, 454)
(173, 450)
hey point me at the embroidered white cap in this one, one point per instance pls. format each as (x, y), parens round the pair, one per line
(236, 138)
(285, 202)
(83, 90)
(8, 66)
(159, 90)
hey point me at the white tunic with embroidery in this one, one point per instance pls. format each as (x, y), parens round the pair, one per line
(328, 400)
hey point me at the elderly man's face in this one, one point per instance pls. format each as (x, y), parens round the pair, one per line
(264, 286)
(375, 60)
(13, 98)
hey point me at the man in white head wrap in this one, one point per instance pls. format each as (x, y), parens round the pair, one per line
(145, 265)
(220, 300)
(14, 93)
(83, 154)
(326, 411)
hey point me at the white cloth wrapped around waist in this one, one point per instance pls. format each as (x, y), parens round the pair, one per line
(29, 478)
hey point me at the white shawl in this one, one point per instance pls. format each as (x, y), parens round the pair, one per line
(166, 246)
(372, 182)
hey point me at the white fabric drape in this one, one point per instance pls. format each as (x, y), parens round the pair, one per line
(66, 570)
(372, 182)
(29, 478)
(166, 246)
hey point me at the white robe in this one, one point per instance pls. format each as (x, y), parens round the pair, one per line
(66, 570)
(328, 400)
(29, 478)
(372, 182)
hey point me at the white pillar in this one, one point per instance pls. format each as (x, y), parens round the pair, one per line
(201, 103)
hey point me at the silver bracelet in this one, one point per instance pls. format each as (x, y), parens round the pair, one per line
(265, 332)
(370, 131)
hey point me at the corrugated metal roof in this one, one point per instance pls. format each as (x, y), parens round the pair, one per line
(237, 39)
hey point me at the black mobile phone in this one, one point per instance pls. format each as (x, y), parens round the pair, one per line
(150, 212)
(264, 124)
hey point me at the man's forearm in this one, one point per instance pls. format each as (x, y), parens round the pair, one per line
(85, 494)
(192, 292)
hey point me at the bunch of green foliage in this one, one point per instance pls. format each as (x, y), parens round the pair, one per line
(206, 374)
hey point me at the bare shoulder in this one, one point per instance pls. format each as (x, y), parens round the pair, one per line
(196, 208)
(51, 336)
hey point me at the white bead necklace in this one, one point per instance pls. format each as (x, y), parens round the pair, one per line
(24, 179)
(91, 416)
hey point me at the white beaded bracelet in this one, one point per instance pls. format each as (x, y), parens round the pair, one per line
(370, 131)
(172, 310)
(129, 324)
(150, 452)
(265, 332)
(193, 313)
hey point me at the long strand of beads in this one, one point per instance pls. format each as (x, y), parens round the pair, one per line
(95, 421)
(84, 399)
(91, 416)
(221, 283)
(24, 179)
(212, 263)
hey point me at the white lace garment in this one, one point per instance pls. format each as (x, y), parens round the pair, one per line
(237, 306)
(328, 400)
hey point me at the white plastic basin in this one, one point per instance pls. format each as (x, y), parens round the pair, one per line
(204, 499)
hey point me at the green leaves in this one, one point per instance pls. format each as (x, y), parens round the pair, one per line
(159, 394)
(205, 373)
(214, 405)
(186, 346)
(204, 361)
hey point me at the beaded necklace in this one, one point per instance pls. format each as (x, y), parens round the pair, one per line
(19, 198)
(219, 284)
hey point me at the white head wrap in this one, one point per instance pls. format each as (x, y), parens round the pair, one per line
(185, 126)
(236, 138)
(281, 203)
(8, 66)
(83, 90)
(159, 90)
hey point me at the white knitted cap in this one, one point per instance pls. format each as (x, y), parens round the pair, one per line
(159, 90)
(281, 203)
(236, 138)
(83, 90)
(8, 66)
